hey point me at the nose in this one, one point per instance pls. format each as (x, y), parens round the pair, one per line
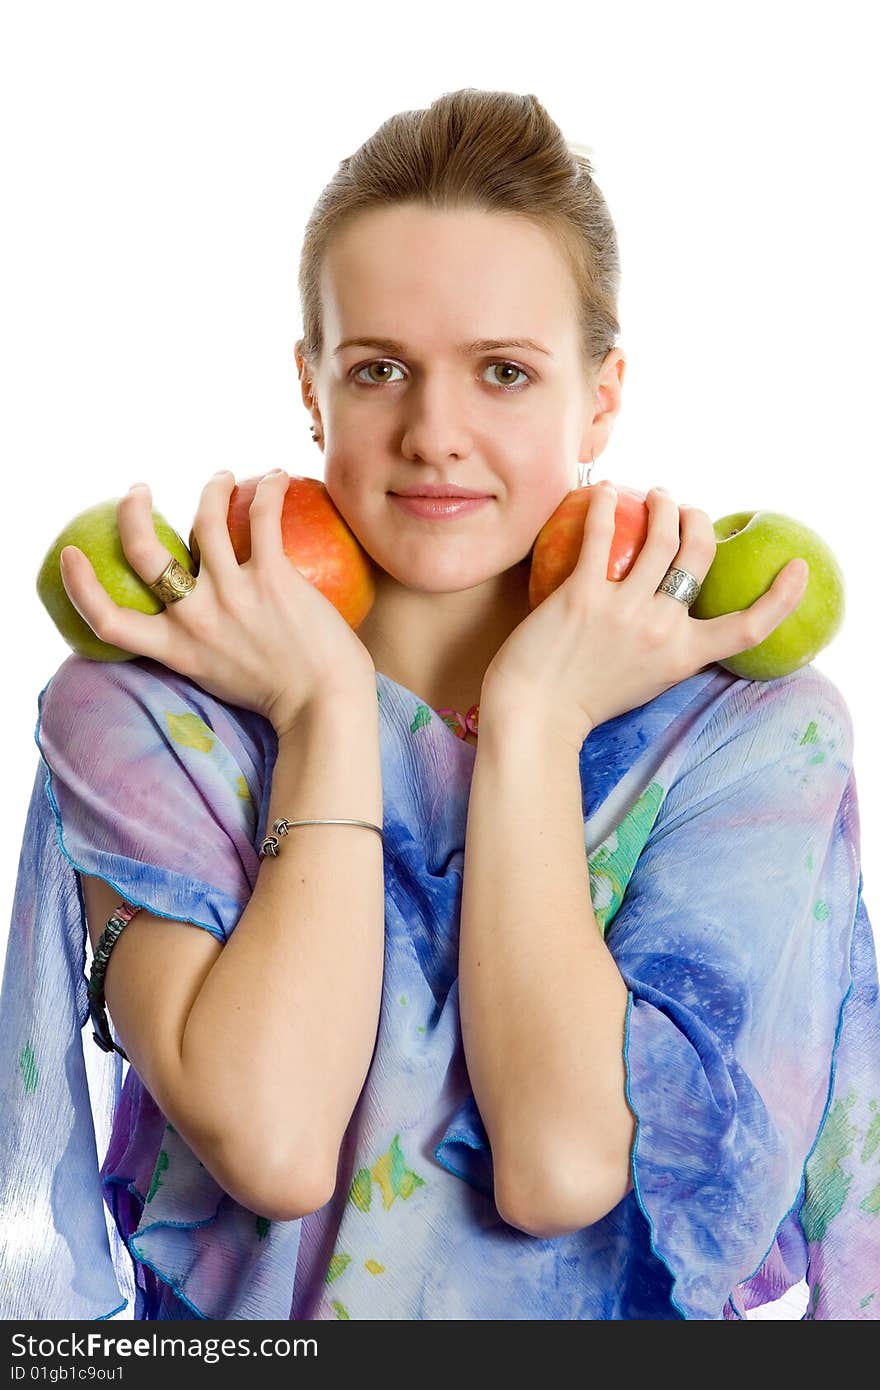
(436, 426)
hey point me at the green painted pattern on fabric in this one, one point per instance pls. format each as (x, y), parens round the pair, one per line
(421, 718)
(337, 1265)
(872, 1138)
(612, 863)
(821, 910)
(28, 1067)
(361, 1191)
(871, 1203)
(392, 1175)
(263, 1223)
(341, 1310)
(811, 735)
(160, 1168)
(827, 1183)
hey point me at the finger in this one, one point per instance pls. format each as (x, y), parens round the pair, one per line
(662, 544)
(732, 633)
(211, 528)
(698, 546)
(143, 550)
(265, 516)
(592, 561)
(121, 627)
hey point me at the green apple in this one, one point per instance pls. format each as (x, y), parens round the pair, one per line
(96, 533)
(752, 548)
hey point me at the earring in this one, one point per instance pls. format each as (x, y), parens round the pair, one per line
(315, 435)
(589, 467)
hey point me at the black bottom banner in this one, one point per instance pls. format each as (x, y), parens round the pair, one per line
(132, 1354)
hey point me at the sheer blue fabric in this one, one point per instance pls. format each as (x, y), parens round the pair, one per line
(721, 832)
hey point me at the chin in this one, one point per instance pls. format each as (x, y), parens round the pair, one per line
(438, 584)
(456, 582)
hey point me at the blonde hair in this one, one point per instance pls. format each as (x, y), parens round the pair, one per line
(471, 149)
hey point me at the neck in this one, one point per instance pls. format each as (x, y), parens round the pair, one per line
(439, 646)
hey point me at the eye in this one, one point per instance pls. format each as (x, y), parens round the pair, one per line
(513, 367)
(383, 362)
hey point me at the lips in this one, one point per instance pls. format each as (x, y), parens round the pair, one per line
(438, 490)
(439, 507)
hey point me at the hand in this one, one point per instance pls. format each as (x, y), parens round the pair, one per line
(259, 635)
(597, 647)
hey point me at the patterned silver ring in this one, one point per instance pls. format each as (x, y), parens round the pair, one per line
(680, 584)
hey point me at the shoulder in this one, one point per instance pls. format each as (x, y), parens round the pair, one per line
(83, 688)
(92, 710)
(767, 741)
(109, 696)
(808, 701)
(87, 682)
(767, 718)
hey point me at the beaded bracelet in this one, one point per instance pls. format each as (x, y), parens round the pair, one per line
(122, 915)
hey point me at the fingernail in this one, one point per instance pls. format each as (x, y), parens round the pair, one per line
(136, 485)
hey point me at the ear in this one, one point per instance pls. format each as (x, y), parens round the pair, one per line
(306, 384)
(604, 405)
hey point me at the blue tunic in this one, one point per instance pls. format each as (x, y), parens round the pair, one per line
(722, 836)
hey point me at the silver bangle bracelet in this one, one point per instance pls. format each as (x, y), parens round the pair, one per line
(269, 846)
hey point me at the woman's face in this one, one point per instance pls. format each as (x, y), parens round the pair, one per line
(508, 421)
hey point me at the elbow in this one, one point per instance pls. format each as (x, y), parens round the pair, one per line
(285, 1202)
(550, 1219)
(556, 1207)
(277, 1187)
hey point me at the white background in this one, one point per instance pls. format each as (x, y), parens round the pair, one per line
(159, 162)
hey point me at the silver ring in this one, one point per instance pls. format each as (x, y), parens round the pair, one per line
(680, 584)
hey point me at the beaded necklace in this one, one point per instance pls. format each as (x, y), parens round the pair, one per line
(461, 724)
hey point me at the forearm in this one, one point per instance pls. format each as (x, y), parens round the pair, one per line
(542, 1001)
(282, 1031)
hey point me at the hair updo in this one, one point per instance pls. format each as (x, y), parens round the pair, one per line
(471, 149)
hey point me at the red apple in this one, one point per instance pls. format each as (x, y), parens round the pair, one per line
(315, 538)
(558, 543)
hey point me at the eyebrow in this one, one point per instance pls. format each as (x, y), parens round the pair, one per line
(464, 349)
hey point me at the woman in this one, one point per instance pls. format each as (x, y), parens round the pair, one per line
(446, 1073)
